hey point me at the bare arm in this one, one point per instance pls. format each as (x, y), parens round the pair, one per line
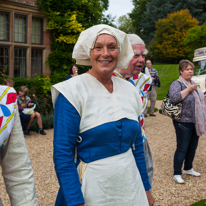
(151, 199)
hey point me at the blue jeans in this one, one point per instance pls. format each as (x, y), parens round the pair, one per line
(25, 118)
(187, 141)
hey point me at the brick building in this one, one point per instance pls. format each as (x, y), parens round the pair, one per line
(24, 40)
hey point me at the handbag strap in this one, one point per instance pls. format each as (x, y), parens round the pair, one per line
(169, 89)
(180, 83)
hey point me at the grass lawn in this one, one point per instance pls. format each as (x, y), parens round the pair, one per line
(199, 203)
(167, 74)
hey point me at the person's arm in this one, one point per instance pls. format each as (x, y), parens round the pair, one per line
(19, 106)
(141, 164)
(148, 86)
(154, 78)
(138, 153)
(176, 93)
(189, 89)
(29, 104)
(156, 74)
(66, 131)
(150, 198)
(16, 168)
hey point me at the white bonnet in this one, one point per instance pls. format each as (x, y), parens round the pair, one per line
(134, 39)
(88, 37)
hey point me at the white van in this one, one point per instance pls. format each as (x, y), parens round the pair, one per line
(200, 75)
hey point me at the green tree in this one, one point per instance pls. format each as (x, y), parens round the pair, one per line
(167, 44)
(66, 20)
(124, 23)
(138, 13)
(109, 20)
(158, 9)
(195, 39)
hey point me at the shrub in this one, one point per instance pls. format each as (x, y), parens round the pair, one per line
(41, 84)
(44, 102)
(3, 78)
(39, 91)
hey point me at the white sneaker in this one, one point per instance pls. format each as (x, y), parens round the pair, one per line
(178, 179)
(191, 172)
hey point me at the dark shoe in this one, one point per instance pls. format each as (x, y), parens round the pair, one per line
(27, 132)
(145, 115)
(42, 132)
(153, 115)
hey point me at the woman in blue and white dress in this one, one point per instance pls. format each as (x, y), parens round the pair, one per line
(96, 116)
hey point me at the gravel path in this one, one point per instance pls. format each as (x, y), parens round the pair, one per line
(161, 136)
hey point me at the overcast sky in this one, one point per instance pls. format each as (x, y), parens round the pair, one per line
(119, 7)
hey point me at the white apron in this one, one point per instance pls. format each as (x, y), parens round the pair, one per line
(113, 181)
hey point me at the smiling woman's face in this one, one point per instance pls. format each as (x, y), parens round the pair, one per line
(104, 55)
(74, 70)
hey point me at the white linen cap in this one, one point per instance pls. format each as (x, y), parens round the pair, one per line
(135, 39)
(86, 41)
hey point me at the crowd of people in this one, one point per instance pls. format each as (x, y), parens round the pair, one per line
(101, 154)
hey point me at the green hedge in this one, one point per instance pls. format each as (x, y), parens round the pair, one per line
(39, 91)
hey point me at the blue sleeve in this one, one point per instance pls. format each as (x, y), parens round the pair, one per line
(66, 130)
(140, 159)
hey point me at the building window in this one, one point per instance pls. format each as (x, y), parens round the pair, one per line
(19, 62)
(4, 26)
(4, 61)
(37, 31)
(20, 28)
(36, 62)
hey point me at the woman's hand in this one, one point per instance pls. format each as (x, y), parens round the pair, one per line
(75, 73)
(151, 199)
(192, 87)
(189, 89)
(30, 104)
